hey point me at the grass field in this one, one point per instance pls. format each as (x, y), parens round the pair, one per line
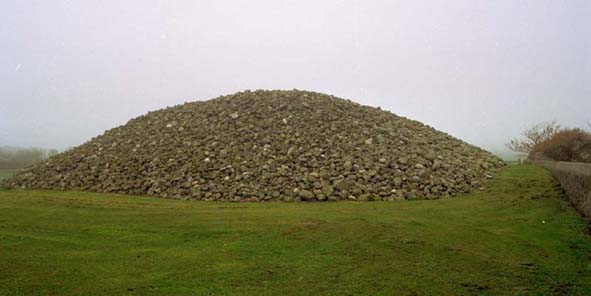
(518, 236)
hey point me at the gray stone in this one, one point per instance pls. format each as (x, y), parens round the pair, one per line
(306, 195)
(328, 190)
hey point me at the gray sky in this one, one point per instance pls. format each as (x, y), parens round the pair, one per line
(479, 70)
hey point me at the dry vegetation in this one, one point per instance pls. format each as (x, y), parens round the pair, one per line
(534, 136)
(566, 145)
(551, 141)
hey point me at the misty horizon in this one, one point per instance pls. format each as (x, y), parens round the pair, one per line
(477, 70)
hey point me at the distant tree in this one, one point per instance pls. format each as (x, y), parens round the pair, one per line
(534, 136)
(12, 158)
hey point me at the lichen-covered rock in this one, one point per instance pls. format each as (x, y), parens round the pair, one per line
(269, 145)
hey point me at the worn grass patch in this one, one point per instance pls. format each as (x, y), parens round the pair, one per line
(518, 236)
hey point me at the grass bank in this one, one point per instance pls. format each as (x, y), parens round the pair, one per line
(518, 236)
(575, 179)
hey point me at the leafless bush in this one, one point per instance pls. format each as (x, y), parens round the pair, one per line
(533, 136)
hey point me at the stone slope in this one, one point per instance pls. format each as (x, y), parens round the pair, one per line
(269, 145)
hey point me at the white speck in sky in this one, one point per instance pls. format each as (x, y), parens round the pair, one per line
(163, 36)
(17, 67)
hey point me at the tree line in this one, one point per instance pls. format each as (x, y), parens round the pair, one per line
(14, 158)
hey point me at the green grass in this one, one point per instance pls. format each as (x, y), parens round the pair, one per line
(518, 236)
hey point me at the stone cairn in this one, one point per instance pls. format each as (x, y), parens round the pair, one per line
(269, 145)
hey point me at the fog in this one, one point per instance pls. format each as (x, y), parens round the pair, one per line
(479, 70)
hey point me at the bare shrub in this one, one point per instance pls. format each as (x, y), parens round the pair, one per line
(534, 136)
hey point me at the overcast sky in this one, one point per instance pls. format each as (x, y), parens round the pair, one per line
(479, 70)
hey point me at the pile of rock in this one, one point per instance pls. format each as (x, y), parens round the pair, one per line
(269, 145)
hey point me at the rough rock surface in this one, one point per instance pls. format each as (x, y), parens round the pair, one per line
(269, 145)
